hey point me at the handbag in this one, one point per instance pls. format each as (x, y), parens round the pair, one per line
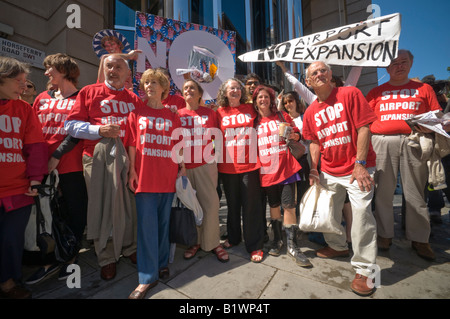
(316, 211)
(183, 229)
(296, 148)
(66, 242)
(44, 240)
(59, 240)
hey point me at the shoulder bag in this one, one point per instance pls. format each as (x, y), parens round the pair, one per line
(183, 229)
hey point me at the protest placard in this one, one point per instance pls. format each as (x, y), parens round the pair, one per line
(207, 54)
(368, 43)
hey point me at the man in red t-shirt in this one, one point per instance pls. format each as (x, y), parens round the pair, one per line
(101, 110)
(394, 102)
(337, 123)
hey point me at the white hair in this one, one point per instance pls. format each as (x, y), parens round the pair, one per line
(326, 65)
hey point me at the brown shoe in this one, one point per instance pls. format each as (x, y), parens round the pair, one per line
(108, 272)
(141, 294)
(384, 243)
(329, 252)
(423, 250)
(16, 292)
(133, 258)
(359, 286)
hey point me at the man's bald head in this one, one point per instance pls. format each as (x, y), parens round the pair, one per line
(116, 70)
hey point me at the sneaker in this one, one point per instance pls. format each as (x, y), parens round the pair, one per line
(63, 273)
(41, 274)
(299, 257)
(275, 248)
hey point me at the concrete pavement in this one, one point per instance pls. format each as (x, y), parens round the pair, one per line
(403, 275)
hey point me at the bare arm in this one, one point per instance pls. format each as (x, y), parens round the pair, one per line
(301, 89)
(353, 76)
(132, 175)
(314, 151)
(360, 173)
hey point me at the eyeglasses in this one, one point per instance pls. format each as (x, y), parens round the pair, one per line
(250, 83)
(234, 88)
(315, 73)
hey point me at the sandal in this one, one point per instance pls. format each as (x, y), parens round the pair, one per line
(191, 252)
(227, 244)
(221, 254)
(256, 256)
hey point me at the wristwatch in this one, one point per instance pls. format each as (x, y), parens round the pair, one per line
(363, 163)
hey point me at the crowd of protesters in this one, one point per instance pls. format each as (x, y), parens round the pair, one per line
(113, 153)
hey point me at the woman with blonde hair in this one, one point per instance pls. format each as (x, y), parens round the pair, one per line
(152, 177)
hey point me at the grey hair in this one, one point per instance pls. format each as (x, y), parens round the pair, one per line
(222, 99)
(10, 68)
(326, 65)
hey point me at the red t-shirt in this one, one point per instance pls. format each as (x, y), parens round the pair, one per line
(150, 131)
(52, 113)
(200, 124)
(18, 126)
(100, 105)
(174, 102)
(277, 163)
(239, 148)
(395, 104)
(333, 123)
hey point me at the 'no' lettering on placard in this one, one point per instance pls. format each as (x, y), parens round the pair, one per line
(172, 44)
(369, 43)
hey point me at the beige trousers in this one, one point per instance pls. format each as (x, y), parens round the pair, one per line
(204, 180)
(106, 256)
(394, 155)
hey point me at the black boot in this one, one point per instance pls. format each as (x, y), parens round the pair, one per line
(277, 242)
(293, 250)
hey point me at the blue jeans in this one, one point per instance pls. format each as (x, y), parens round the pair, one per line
(153, 247)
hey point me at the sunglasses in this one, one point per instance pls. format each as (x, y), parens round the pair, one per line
(30, 86)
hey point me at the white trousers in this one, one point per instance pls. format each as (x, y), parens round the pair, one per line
(363, 232)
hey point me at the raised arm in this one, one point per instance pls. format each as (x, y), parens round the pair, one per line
(301, 89)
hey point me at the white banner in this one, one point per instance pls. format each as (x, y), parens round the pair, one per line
(368, 43)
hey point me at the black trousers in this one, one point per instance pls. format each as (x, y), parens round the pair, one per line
(12, 240)
(73, 189)
(244, 194)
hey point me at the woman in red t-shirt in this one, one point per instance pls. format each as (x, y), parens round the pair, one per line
(200, 125)
(239, 168)
(152, 177)
(23, 163)
(65, 152)
(279, 171)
